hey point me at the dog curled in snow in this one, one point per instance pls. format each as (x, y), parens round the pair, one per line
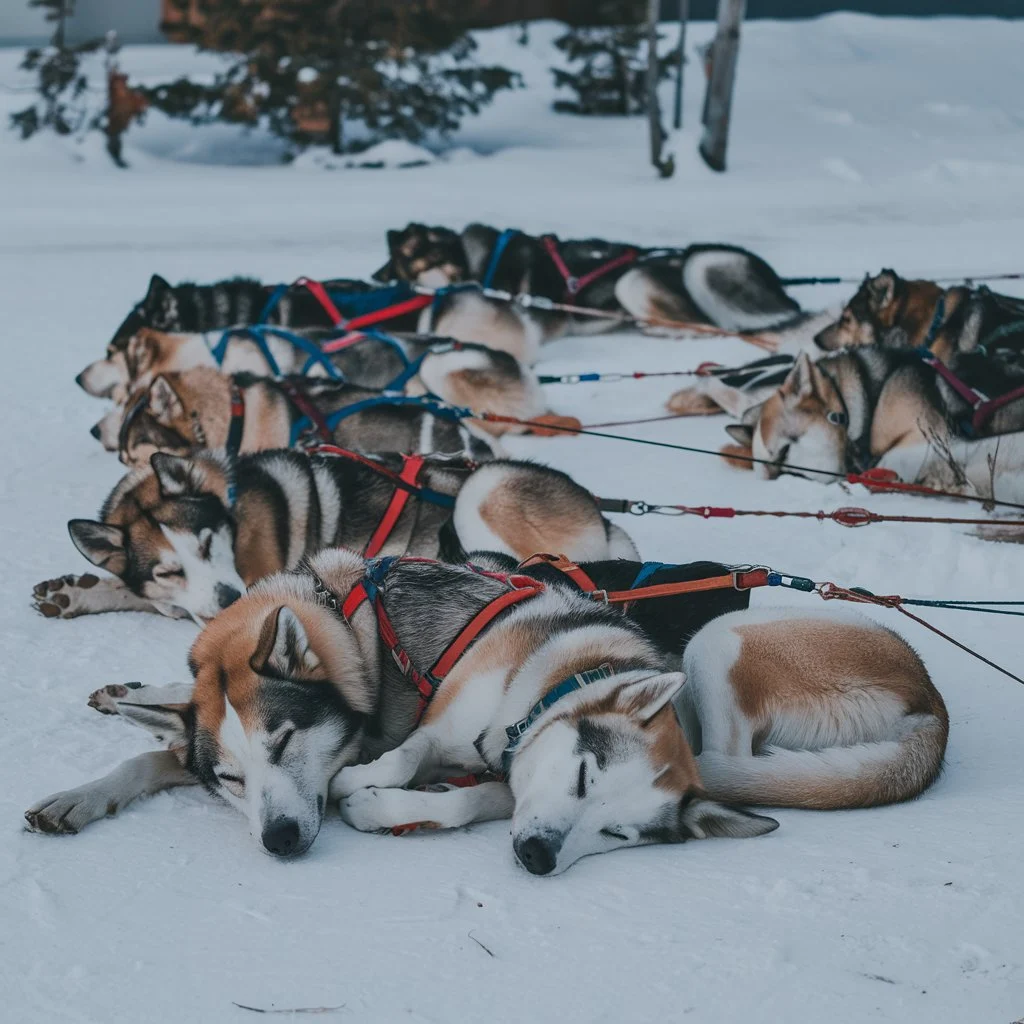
(351, 680)
(463, 373)
(709, 284)
(185, 536)
(193, 308)
(182, 413)
(868, 406)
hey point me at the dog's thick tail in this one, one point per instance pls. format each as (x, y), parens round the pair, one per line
(860, 775)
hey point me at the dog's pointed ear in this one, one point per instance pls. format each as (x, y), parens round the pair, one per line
(177, 476)
(101, 543)
(741, 433)
(706, 819)
(882, 289)
(386, 273)
(804, 381)
(140, 352)
(158, 287)
(163, 401)
(284, 650)
(644, 699)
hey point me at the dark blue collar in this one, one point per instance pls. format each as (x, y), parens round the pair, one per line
(516, 732)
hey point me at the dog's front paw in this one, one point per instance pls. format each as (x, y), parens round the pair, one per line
(380, 810)
(352, 779)
(104, 700)
(63, 597)
(68, 812)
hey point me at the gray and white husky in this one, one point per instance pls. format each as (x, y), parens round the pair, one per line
(301, 696)
(186, 536)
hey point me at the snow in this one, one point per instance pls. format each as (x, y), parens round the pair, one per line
(857, 143)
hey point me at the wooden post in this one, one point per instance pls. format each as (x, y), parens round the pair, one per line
(684, 17)
(665, 167)
(723, 76)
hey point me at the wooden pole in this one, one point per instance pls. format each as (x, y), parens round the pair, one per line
(665, 167)
(723, 77)
(684, 17)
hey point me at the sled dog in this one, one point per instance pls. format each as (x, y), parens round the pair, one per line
(717, 284)
(185, 536)
(869, 406)
(462, 373)
(310, 688)
(185, 412)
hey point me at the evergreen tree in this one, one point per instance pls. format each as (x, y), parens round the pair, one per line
(608, 62)
(343, 72)
(62, 84)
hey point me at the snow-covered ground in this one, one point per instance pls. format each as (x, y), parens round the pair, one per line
(857, 143)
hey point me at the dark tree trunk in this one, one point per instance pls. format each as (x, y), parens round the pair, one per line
(664, 167)
(684, 17)
(720, 86)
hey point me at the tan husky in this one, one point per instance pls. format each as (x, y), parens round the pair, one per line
(314, 671)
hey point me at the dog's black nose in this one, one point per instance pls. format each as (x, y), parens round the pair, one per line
(281, 837)
(227, 595)
(536, 854)
(95, 431)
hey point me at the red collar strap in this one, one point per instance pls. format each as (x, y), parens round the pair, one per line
(573, 284)
(520, 588)
(298, 398)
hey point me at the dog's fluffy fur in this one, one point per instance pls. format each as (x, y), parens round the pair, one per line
(292, 705)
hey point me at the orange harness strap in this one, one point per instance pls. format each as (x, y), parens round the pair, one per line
(564, 565)
(410, 475)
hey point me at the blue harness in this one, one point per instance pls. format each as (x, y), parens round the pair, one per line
(496, 253)
(516, 732)
(258, 334)
(427, 403)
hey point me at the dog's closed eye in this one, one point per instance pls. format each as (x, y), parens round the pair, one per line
(233, 783)
(610, 833)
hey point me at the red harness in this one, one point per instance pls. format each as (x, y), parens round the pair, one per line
(520, 588)
(406, 483)
(573, 284)
(319, 292)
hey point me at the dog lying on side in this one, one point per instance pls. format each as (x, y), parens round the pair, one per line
(710, 284)
(185, 537)
(869, 406)
(295, 683)
(182, 413)
(462, 373)
(188, 308)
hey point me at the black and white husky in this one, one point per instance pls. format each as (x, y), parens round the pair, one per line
(311, 689)
(186, 536)
(709, 284)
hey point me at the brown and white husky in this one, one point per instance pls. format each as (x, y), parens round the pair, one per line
(302, 696)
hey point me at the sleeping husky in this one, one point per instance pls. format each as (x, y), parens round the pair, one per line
(708, 284)
(185, 537)
(868, 406)
(186, 412)
(462, 373)
(310, 688)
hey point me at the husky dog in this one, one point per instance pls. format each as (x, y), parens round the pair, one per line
(867, 406)
(462, 373)
(190, 307)
(890, 311)
(296, 701)
(187, 536)
(185, 412)
(717, 284)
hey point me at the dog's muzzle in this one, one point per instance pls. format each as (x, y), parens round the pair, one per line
(281, 837)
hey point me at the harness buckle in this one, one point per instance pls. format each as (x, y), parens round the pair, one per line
(599, 595)
(572, 285)
(639, 508)
(401, 660)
